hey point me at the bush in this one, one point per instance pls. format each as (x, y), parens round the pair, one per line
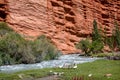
(85, 46)
(97, 46)
(110, 41)
(96, 32)
(4, 28)
(90, 47)
(14, 45)
(94, 46)
(114, 40)
(24, 51)
(105, 54)
(44, 49)
(6, 59)
(117, 35)
(15, 49)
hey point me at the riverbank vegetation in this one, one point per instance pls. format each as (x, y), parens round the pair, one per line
(15, 49)
(99, 39)
(97, 70)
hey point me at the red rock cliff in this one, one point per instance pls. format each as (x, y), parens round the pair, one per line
(3, 10)
(65, 22)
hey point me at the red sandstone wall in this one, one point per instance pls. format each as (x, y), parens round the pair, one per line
(74, 19)
(3, 10)
(64, 21)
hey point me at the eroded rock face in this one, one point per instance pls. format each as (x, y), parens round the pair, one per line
(65, 22)
(3, 10)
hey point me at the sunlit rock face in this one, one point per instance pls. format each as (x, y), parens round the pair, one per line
(65, 22)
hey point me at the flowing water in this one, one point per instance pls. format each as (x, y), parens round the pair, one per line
(64, 59)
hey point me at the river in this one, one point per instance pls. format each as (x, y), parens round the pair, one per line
(63, 59)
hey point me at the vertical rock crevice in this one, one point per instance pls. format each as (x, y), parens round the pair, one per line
(3, 10)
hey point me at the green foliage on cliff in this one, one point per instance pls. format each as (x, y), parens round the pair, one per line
(114, 40)
(117, 35)
(89, 47)
(99, 40)
(16, 49)
(96, 36)
(92, 46)
(110, 41)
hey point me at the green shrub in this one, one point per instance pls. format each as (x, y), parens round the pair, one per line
(96, 32)
(85, 46)
(90, 47)
(15, 49)
(4, 28)
(110, 41)
(6, 59)
(114, 40)
(24, 51)
(106, 55)
(44, 49)
(94, 46)
(117, 34)
(16, 46)
(97, 46)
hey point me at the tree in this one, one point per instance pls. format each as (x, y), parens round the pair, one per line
(114, 40)
(94, 46)
(117, 35)
(97, 43)
(85, 46)
(96, 33)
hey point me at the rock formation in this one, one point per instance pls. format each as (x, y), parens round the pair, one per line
(65, 22)
(3, 10)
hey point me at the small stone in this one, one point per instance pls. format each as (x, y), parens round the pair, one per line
(108, 75)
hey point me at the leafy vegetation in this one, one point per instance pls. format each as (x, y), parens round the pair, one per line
(110, 41)
(84, 45)
(96, 36)
(43, 49)
(89, 47)
(117, 35)
(16, 49)
(99, 40)
(98, 69)
(113, 41)
(4, 28)
(92, 46)
(106, 55)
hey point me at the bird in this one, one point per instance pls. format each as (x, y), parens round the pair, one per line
(89, 75)
(55, 73)
(68, 66)
(74, 66)
(61, 66)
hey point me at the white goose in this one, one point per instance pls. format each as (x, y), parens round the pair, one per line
(75, 66)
